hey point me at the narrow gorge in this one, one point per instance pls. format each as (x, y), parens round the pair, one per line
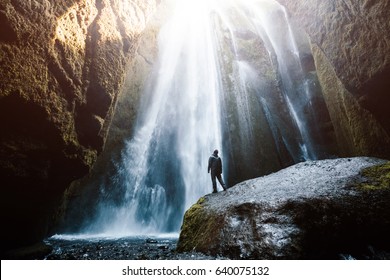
(110, 110)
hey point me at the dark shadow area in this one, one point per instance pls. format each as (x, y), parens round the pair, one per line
(375, 97)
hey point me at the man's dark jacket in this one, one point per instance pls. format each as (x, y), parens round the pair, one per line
(215, 165)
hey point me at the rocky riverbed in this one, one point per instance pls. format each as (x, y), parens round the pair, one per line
(135, 248)
(81, 247)
(124, 248)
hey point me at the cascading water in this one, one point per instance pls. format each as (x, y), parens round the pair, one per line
(204, 93)
(294, 86)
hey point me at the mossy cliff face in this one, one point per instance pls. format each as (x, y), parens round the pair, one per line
(62, 68)
(313, 210)
(351, 47)
(80, 198)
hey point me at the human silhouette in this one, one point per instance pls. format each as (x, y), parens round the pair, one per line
(215, 169)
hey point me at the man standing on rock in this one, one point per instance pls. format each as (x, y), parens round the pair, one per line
(215, 166)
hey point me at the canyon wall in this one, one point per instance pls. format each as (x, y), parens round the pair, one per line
(351, 46)
(79, 203)
(62, 67)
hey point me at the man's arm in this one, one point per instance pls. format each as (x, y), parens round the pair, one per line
(209, 167)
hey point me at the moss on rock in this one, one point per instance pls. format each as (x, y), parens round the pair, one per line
(379, 177)
(202, 226)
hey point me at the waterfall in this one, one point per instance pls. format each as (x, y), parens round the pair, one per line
(295, 87)
(205, 92)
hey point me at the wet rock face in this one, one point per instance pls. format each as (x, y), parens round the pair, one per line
(312, 210)
(350, 42)
(79, 201)
(62, 67)
(349, 32)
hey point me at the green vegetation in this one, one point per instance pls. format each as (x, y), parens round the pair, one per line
(379, 177)
(199, 229)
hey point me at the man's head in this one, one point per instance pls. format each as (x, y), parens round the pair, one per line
(216, 152)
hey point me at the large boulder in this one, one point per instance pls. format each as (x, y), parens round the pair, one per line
(313, 210)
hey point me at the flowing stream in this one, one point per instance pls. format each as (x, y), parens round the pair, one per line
(205, 85)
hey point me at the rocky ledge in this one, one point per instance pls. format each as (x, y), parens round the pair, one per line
(325, 209)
